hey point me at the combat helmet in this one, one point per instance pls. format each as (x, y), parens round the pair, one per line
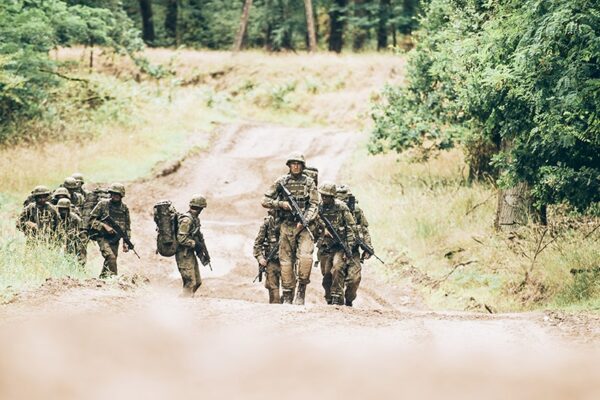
(40, 191)
(198, 201)
(328, 189)
(61, 191)
(296, 157)
(343, 192)
(71, 183)
(117, 188)
(78, 176)
(64, 203)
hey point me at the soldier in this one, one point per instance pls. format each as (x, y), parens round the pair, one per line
(296, 242)
(68, 230)
(63, 193)
(38, 220)
(85, 209)
(266, 243)
(332, 257)
(73, 186)
(104, 234)
(353, 276)
(191, 244)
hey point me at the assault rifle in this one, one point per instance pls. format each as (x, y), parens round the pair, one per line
(261, 269)
(367, 249)
(336, 237)
(115, 227)
(296, 209)
(200, 248)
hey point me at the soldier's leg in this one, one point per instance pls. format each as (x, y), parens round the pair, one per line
(82, 250)
(325, 261)
(353, 277)
(197, 277)
(304, 254)
(338, 276)
(272, 281)
(186, 263)
(286, 260)
(110, 258)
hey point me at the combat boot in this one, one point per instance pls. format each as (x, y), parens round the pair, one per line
(348, 303)
(337, 300)
(300, 295)
(288, 297)
(274, 296)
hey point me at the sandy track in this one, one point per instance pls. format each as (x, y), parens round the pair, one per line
(118, 340)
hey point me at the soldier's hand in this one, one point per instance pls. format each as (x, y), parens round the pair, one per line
(299, 226)
(285, 206)
(31, 225)
(108, 229)
(365, 255)
(263, 262)
(125, 247)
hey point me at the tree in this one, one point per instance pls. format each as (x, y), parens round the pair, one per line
(147, 21)
(243, 24)
(337, 15)
(382, 27)
(310, 24)
(171, 20)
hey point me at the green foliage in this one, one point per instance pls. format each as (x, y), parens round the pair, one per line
(29, 30)
(516, 83)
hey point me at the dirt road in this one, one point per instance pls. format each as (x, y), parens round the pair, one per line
(125, 339)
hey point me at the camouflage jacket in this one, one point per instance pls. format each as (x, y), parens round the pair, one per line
(118, 212)
(362, 225)
(45, 218)
(343, 222)
(303, 190)
(267, 239)
(188, 231)
(68, 230)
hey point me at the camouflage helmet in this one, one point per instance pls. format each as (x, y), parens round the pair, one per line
(117, 188)
(40, 191)
(61, 191)
(296, 157)
(328, 189)
(78, 176)
(342, 192)
(71, 183)
(64, 203)
(198, 201)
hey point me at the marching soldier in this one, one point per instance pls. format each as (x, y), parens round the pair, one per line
(353, 275)
(104, 234)
(296, 240)
(85, 210)
(69, 229)
(332, 253)
(73, 187)
(266, 253)
(191, 244)
(38, 220)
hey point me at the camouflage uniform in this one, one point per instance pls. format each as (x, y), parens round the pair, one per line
(332, 257)
(294, 247)
(109, 243)
(190, 240)
(85, 209)
(44, 217)
(63, 193)
(69, 230)
(77, 199)
(353, 276)
(265, 242)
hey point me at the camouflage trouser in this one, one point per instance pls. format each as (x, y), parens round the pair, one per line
(294, 248)
(187, 263)
(273, 275)
(353, 276)
(332, 268)
(110, 252)
(82, 251)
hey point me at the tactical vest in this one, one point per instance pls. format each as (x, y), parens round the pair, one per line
(335, 214)
(119, 214)
(68, 228)
(300, 192)
(44, 217)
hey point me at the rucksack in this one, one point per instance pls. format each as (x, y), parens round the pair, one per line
(92, 199)
(165, 217)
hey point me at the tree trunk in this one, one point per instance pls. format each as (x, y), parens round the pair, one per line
(360, 35)
(382, 26)
(147, 22)
(513, 207)
(171, 20)
(243, 25)
(336, 25)
(409, 9)
(310, 26)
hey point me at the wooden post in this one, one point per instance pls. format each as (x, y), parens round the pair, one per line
(237, 46)
(310, 25)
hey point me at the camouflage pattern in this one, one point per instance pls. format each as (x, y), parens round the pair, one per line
(265, 242)
(188, 234)
(296, 157)
(63, 193)
(117, 188)
(109, 243)
(294, 247)
(331, 254)
(68, 230)
(198, 201)
(38, 222)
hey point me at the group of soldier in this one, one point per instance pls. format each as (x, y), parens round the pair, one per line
(301, 215)
(70, 216)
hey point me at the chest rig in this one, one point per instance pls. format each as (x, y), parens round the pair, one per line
(299, 190)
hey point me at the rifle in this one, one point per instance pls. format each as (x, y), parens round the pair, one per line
(296, 209)
(115, 227)
(261, 269)
(200, 248)
(337, 238)
(367, 249)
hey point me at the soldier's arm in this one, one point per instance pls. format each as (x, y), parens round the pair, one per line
(23, 219)
(258, 249)
(184, 233)
(127, 222)
(364, 229)
(313, 200)
(351, 227)
(97, 214)
(271, 197)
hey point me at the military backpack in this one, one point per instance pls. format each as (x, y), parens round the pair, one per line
(166, 219)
